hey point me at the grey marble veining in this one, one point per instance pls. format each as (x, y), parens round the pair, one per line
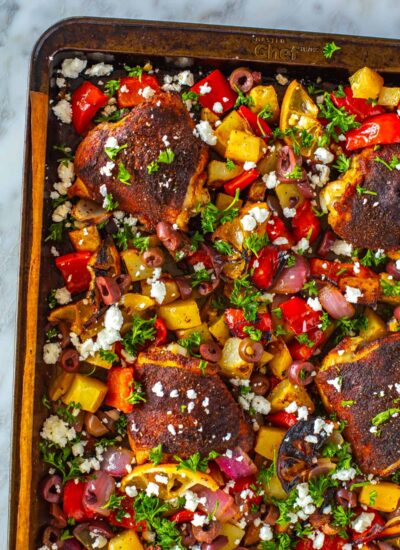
(23, 21)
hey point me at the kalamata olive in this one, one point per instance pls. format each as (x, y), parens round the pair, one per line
(206, 287)
(242, 79)
(272, 514)
(188, 539)
(391, 268)
(250, 351)
(208, 532)
(170, 237)
(287, 162)
(220, 542)
(59, 519)
(274, 205)
(94, 426)
(51, 488)
(69, 359)
(300, 373)
(210, 351)
(109, 290)
(153, 257)
(109, 418)
(124, 281)
(185, 290)
(305, 188)
(396, 312)
(327, 241)
(71, 544)
(259, 384)
(346, 498)
(65, 332)
(51, 537)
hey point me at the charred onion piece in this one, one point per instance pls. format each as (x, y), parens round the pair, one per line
(250, 351)
(242, 79)
(94, 426)
(296, 456)
(185, 290)
(220, 542)
(211, 352)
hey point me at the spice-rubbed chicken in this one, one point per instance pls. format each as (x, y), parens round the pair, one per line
(361, 385)
(152, 191)
(364, 204)
(187, 411)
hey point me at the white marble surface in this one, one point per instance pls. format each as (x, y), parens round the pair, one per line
(22, 22)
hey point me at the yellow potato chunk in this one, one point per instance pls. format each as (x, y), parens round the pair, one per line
(86, 239)
(366, 83)
(202, 329)
(389, 97)
(231, 363)
(234, 535)
(281, 359)
(383, 496)
(285, 393)
(181, 314)
(231, 122)
(218, 172)
(135, 266)
(87, 391)
(127, 540)
(220, 330)
(376, 327)
(60, 385)
(265, 97)
(244, 147)
(268, 441)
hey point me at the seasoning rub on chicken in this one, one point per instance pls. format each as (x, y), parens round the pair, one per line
(186, 410)
(149, 189)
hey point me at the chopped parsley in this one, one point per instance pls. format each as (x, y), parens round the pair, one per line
(67, 154)
(255, 242)
(156, 454)
(191, 343)
(372, 259)
(242, 99)
(391, 165)
(134, 71)
(200, 276)
(223, 248)
(55, 231)
(254, 333)
(112, 117)
(211, 216)
(166, 156)
(109, 203)
(111, 87)
(311, 288)
(142, 331)
(112, 152)
(230, 164)
(364, 191)
(266, 112)
(304, 339)
(329, 49)
(348, 403)
(62, 459)
(390, 289)
(126, 235)
(137, 395)
(384, 416)
(195, 462)
(108, 356)
(346, 326)
(338, 118)
(342, 163)
(123, 175)
(245, 296)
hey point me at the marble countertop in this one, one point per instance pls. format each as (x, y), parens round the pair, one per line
(23, 21)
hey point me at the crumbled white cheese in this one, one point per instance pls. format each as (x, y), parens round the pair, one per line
(63, 296)
(131, 491)
(185, 78)
(51, 353)
(191, 394)
(320, 424)
(323, 155)
(270, 180)
(249, 165)
(342, 248)
(60, 82)
(99, 69)
(345, 474)
(98, 541)
(57, 431)
(192, 500)
(158, 291)
(218, 108)
(302, 413)
(171, 429)
(199, 520)
(147, 92)
(302, 246)
(261, 405)
(289, 212)
(152, 489)
(205, 132)
(248, 222)
(72, 67)
(259, 214)
(66, 172)
(336, 383)
(318, 539)
(362, 522)
(282, 80)
(352, 294)
(311, 439)
(61, 212)
(158, 389)
(174, 394)
(111, 143)
(205, 89)
(266, 533)
(106, 170)
(314, 304)
(63, 111)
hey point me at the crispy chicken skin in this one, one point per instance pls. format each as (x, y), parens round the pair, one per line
(370, 376)
(215, 423)
(367, 220)
(169, 194)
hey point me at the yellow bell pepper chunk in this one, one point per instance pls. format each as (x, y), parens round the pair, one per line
(127, 540)
(366, 83)
(87, 391)
(268, 441)
(383, 496)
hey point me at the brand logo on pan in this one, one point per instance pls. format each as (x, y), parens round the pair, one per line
(276, 49)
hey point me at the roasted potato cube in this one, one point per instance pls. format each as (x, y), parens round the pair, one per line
(87, 391)
(231, 363)
(268, 441)
(244, 147)
(286, 192)
(172, 290)
(181, 314)
(369, 288)
(135, 265)
(234, 535)
(383, 496)
(60, 385)
(285, 393)
(127, 540)
(218, 172)
(366, 83)
(389, 97)
(223, 201)
(202, 329)
(208, 115)
(281, 359)
(231, 122)
(86, 239)
(220, 330)
(98, 361)
(376, 327)
(265, 97)
(134, 303)
(274, 489)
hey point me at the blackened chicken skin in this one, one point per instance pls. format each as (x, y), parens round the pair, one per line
(364, 204)
(170, 193)
(370, 377)
(200, 416)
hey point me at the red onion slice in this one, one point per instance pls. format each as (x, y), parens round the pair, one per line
(225, 511)
(327, 241)
(97, 493)
(392, 270)
(237, 466)
(116, 462)
(333, 301)
(292, 279)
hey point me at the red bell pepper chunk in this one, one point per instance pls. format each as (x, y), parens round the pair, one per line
(130, 89)
(74, 271)
(299, 315)
(236, 322)
(282, 419)
(302, 352)
(201, 255)
(241, 182)
(278, 230)
(72, 501)
(257, 124)
(264, 266)
(120, 381)
(220, 92)
(356, 106)
(373, 531)
(86, 101)
(305, 223)
(128, 520)
(330, 543)
(244, 483)
(378, 130)
(334, 271)
(162, 332)
(183, 516)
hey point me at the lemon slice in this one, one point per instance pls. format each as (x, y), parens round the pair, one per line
(171, 482)
(299, 110)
